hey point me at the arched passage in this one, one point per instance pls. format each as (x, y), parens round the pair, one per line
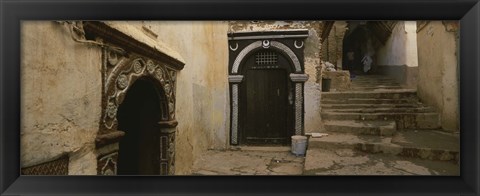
(138, 116)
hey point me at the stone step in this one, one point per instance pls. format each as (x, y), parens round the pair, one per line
(361, 127)
(351, 106)
(369, 101)
(373, 83)
(374, 88)
(388, 94)
(419, 109)
(418, 144)
(403, 120)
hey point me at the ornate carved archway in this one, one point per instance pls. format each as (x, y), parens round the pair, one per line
(290, 43)
(126, 59)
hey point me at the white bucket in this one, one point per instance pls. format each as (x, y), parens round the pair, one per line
(299, 145)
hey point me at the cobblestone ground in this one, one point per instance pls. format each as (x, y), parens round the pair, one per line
(249, 161)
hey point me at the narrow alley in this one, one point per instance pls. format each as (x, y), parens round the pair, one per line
(375, 128)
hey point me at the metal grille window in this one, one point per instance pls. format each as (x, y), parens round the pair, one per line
(266, 58)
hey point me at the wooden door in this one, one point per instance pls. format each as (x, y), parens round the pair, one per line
(266, 102)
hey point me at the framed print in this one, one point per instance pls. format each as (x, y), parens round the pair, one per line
(239, 97)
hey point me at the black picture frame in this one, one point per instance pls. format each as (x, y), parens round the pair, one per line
(12, 12)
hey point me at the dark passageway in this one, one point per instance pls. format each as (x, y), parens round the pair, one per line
(138, 116)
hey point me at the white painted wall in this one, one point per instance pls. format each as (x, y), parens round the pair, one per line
(401, 46)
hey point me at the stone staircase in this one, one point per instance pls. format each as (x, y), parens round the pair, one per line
(378, 116)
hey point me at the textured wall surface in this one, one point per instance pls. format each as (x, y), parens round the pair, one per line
(61, 96)
(61, 91)
(438, 80)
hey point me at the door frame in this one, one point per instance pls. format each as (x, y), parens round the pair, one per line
(289, 43)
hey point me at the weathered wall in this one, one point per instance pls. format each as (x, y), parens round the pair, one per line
(61, 96)
(312, 61)
(398, 56)
(202, 107)
(332, 47)
(438, 79)
(61, 92)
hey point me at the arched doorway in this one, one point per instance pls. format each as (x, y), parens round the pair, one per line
(266, 76)
(138, 116)
(266, 98)
(359, 50)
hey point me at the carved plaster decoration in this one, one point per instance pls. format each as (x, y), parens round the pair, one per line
(235, 78)
(108, 164)
(121, 72)
(298, 46)
(290, 54)
(234, 136)
(298, 108)
(234, 49)
(266, 44)
(257, 44)
(298, 77)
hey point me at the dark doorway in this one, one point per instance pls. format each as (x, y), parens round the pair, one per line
(266, 100)
(138, 117)
(358, 45)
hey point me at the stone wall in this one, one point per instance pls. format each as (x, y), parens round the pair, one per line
(398, 56)
(312, 61)
(61, 96)
(438, 70)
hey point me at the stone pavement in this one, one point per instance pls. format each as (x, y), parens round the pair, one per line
(352, 162)
(341, 161)
(249, 161)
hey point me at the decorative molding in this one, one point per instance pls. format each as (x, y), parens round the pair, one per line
(168, 124)
(298, 109)
(107, 165)
(298, 77)
(298, 46)
(233, 49)
(115, 36)
(266, 44)
(167, 153)
(235, 78)
(243, 53)
(234, 136)
(290, 54)
(120, 76)
(257, 44)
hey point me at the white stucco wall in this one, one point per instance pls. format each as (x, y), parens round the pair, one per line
(399, 54)
(401, 46)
